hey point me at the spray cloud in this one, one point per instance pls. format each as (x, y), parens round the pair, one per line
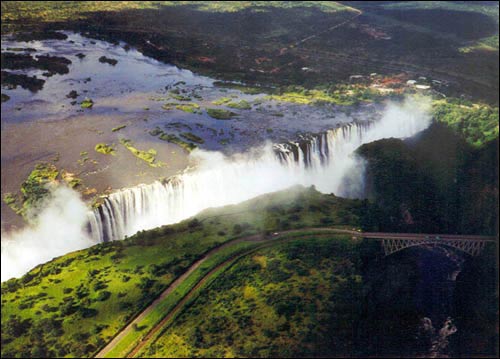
(59, 229)
(217, 180)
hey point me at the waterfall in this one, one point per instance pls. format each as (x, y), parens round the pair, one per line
(322, 160)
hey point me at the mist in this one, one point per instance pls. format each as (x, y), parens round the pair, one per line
(217, 180)
(59, 228)
(213, 180)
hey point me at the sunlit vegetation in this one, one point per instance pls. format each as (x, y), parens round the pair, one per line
(33, 190)
(180, 97)
(186, 107)
(188, 146)
(56, 11)
(246, 89)
(74, 304)
(490, 10)
(346, 95)
(292, 300)
(37, 187)
(118, 128)
(71, 179)
(148, 156)
(189, 108)
(222, 101)
(487, 44)
(220, 114)
(105, 149)
(226, 101)
(12, 200)
(241, 105)
(174, 139)
(477, 123)
(87, 103)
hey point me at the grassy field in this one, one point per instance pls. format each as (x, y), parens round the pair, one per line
(296, 298)
(165, 306)
(270, 43)
(74, 304)
(476, 123)
(52, 11)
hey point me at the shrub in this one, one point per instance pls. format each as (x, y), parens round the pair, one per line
(104, 295)
(100, 285)
(105, 149)
(88, 312)
(194, 223)
(220, 114)
(237, 229)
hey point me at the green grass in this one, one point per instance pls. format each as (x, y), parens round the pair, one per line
(222, 101)
(105, 149)
(186, 107)
(477, 123)
(51, 11)
(126, 266)
(87, 103)
(155, 316)
(176, 140)
(250, 90)
(180, 97)
(118, 128)
(345, 95)
(242, 105)
(489, 43)
(491, 11)
(35, 188)
(148, 156)
(71, 179)
(278, 296)
(220, 114)
(13, 201)
(189, 108)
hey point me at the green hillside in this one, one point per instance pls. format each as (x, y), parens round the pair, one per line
(76, 303)
(297, 299)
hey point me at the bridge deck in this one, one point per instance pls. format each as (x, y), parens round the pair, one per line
(426, 236)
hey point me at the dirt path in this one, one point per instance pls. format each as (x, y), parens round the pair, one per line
(358, 13)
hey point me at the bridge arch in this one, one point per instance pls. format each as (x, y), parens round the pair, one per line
(471, 247)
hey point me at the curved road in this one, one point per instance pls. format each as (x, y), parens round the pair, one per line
(253, 238)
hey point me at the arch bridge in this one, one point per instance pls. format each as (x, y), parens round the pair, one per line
(395, 242)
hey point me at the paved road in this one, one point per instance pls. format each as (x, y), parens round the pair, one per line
(194, 266)
(171, 287)
(255, 238)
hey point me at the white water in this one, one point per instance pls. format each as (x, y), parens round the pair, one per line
(60, 229)
(326, 161)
